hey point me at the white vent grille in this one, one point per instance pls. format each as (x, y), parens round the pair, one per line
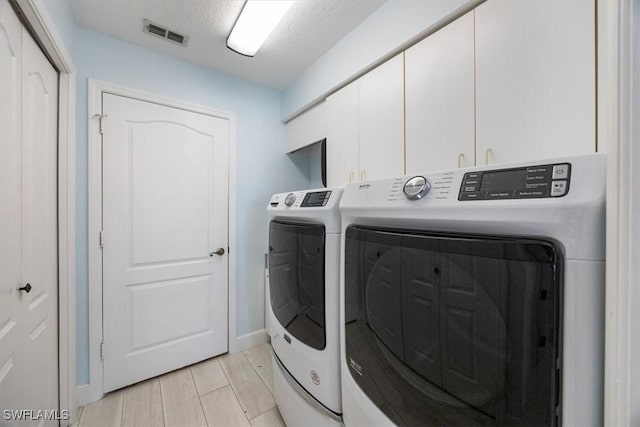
(164, 33)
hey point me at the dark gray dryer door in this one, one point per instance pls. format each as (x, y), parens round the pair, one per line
(453, 330)
(296, 279)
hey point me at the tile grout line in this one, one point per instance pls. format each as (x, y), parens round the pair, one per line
(258, 374)
(263, 382)
(164, 423)
(234, 391)
(193, 380)
(164, 416)
(121, 407)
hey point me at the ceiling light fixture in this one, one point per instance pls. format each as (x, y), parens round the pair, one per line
(257, 20)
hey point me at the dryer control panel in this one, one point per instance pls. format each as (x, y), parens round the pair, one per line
(551, 180)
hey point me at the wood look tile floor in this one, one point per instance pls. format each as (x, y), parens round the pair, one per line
(228, 390)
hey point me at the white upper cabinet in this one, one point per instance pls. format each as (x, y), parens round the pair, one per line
(535, 79)
(381, 121)
(365, 126)
(307, 128)
(439, 91)
(342, 136)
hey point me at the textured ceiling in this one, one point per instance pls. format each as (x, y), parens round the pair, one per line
(308, 30)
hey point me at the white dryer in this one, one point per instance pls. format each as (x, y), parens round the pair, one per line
(475, 297)
(304, 268)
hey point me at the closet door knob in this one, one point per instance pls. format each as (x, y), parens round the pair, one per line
(26, 288)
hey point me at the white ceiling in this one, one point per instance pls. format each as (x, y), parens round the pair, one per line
(308, 30)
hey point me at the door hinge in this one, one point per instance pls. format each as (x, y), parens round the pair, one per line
(101, 238)
(102, 350)
(100, 117)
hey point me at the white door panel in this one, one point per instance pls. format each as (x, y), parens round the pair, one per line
(10, 209)
(535, 80)
(28, 222)
(381, 121)
(39, 213)
(164, 212)
(342, 136)
(440, 103)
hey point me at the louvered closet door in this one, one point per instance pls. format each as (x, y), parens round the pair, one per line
(28, 222)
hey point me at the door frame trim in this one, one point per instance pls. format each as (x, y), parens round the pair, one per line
(618, 131)
(45, 30)
(96, 89)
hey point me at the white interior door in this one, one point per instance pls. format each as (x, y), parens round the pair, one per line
(28, 222)
(165, 213)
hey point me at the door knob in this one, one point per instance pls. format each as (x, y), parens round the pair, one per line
(219, 252)
(26, 288)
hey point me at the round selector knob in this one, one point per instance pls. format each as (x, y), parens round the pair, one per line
(416, 187)
(290, 200)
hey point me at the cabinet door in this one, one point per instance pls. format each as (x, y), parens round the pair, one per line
(535, 79)
(381, 121)
(342, 136)
(439, 92)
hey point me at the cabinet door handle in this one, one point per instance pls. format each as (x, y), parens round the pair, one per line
(351, 176)
(487, 152)
(460, 157)
(363, 174)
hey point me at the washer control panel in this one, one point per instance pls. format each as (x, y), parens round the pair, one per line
(315, 199)
(517, 183)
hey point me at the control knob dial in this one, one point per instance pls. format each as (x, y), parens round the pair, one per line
(290, 200)
(416, 188)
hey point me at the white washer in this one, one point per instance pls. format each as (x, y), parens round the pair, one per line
(475, 296)
(304, 268)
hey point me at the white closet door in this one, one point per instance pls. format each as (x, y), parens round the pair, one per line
(28, 222)
(40, 219)
(381, 121)
(11, 360)
(535, 79)
(439, 90)
(165, 213)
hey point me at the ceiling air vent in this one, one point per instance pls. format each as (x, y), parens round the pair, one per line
(164, 33)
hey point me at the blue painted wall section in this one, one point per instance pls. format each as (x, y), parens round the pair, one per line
(262, 166)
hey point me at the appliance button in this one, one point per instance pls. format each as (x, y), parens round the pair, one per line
(416, 187)
(290, 200)
(558, 188)
(470, 188)
(471, 175)
(478, 195)
(561, 171)
(500, 195)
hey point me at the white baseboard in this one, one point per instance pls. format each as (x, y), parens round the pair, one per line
(253, 339)
(84, 395)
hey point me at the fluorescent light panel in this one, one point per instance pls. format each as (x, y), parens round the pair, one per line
(257, 20)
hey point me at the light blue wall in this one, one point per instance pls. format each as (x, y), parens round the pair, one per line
(262, 166)
(386, 29)
(60, 13)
